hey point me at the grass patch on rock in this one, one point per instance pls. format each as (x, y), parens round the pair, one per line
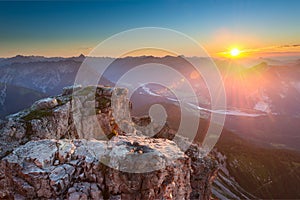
(36, 114)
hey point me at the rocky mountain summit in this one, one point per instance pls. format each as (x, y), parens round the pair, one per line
(53, 150)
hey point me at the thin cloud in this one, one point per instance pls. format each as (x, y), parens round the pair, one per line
(278, 49)
(293, 45)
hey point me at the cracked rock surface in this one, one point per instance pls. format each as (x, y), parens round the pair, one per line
(92, 169)
(43, 155)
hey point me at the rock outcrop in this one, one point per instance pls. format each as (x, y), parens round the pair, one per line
(78, 169)
(53, 150)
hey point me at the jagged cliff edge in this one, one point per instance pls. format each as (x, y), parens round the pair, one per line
(43, 155)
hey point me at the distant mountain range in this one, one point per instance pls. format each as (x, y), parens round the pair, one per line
(42, 76)
(259, 147)
(270, 93)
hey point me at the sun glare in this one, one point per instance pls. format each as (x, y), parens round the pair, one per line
(235, 52)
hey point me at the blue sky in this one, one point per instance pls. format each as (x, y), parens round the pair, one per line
(66, 28)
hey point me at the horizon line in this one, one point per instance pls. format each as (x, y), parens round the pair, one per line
(154, 56)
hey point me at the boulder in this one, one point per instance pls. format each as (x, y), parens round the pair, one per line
(46, 103)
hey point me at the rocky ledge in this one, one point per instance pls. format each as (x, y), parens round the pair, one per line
(43, 155)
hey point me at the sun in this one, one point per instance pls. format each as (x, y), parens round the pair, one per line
(235, 52)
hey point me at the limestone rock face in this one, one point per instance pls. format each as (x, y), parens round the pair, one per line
(72, 147)
(86, 113)
(90, 169)
(12, 133)
(53, 126)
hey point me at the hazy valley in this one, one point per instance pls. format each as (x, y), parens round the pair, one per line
(259, 146)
